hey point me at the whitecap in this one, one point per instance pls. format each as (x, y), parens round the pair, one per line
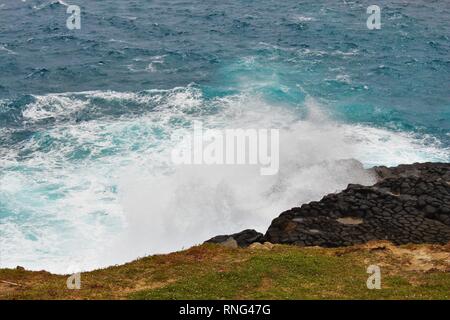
(3, 48)
(300, 18)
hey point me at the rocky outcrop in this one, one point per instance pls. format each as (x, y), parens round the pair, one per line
(243, 238)
(408, 204)
(427, 171)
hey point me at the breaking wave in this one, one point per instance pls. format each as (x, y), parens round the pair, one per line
(86, 184)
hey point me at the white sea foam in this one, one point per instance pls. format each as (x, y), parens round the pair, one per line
(47, 4)
(105, 191)
(146, 63)
(300, 18)
(52, 106)
(9, 51)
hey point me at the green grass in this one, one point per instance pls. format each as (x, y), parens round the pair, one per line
(215, 272)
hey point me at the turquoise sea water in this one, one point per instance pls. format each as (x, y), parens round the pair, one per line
(88, 117)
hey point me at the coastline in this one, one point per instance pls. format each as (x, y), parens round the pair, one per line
(401, 222)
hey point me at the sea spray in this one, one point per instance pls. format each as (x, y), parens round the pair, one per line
(79, 195)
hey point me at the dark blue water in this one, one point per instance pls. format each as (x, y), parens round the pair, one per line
(85, 114)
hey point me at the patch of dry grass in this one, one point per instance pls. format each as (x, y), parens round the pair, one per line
(280, 272)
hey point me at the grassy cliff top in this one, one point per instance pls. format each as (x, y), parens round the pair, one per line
(266, 272)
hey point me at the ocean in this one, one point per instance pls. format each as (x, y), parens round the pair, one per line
(88, 116)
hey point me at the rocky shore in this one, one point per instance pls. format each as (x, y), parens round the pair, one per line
(408, 204)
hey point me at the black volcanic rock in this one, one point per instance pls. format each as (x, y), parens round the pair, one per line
(243, 238)
(408, 204)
